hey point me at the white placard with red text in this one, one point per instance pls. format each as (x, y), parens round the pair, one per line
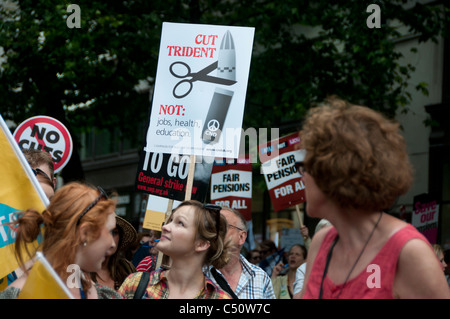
(181, 108)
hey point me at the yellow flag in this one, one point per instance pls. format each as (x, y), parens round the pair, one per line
(43, 282)
(3, 283)
(19, 190)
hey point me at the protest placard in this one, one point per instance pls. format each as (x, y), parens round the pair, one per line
(425, 216)
(157, 209)
(286, 189)
(166, 175)
(231, 185)
(290, 237)
(206, 67)
(200, 88)
(47, 134)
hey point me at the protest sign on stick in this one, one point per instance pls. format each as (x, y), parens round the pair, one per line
(200, 89)
(207, 66)
(286, 189)
(47, 134)
(231, 184)
(166, 175)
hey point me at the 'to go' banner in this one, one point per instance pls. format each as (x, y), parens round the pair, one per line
(47, 134)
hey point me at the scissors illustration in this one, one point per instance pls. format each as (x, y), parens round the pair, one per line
(201, 75)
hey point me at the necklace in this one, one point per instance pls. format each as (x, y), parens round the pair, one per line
(330, 253)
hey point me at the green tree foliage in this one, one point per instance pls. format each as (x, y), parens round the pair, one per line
(303, 51)
(306, 50)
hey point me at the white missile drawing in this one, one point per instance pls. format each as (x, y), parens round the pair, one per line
(220, 103)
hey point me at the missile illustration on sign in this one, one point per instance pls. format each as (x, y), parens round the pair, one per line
(220, 103)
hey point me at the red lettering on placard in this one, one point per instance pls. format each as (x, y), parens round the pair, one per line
(421, 208)
(427, 217)
(205, 39)
(171, 109)
(196, 52)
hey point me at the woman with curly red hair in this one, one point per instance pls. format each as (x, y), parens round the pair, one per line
(355, 167)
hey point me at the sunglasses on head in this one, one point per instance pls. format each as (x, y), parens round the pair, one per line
(214, 209)
(38, 171)
(91, 205)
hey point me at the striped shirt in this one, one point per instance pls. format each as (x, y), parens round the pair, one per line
(147, 264)
(254, 282)
(158, 287)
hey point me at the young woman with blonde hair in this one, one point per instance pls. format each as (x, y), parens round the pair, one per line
(77, 226)
(194, 237)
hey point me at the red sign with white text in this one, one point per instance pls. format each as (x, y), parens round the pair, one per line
(283, 181)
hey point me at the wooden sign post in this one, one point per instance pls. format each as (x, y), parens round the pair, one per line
(190, 180)
(299, 215)
(164, 260)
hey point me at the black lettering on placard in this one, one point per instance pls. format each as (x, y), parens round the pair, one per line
(221, 188)
(57, 156)
(40, 134)
(52, 137)
(22, 143)
(35, 130)
(285, 172)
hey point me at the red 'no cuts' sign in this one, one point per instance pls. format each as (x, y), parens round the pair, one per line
(47, 134)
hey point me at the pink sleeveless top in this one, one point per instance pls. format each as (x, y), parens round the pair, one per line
(364, 285)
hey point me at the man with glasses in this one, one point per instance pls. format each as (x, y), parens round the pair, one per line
(247, 281)
(42, 166)
(254, 256)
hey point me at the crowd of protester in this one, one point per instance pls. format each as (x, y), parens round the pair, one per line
(355, 167)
